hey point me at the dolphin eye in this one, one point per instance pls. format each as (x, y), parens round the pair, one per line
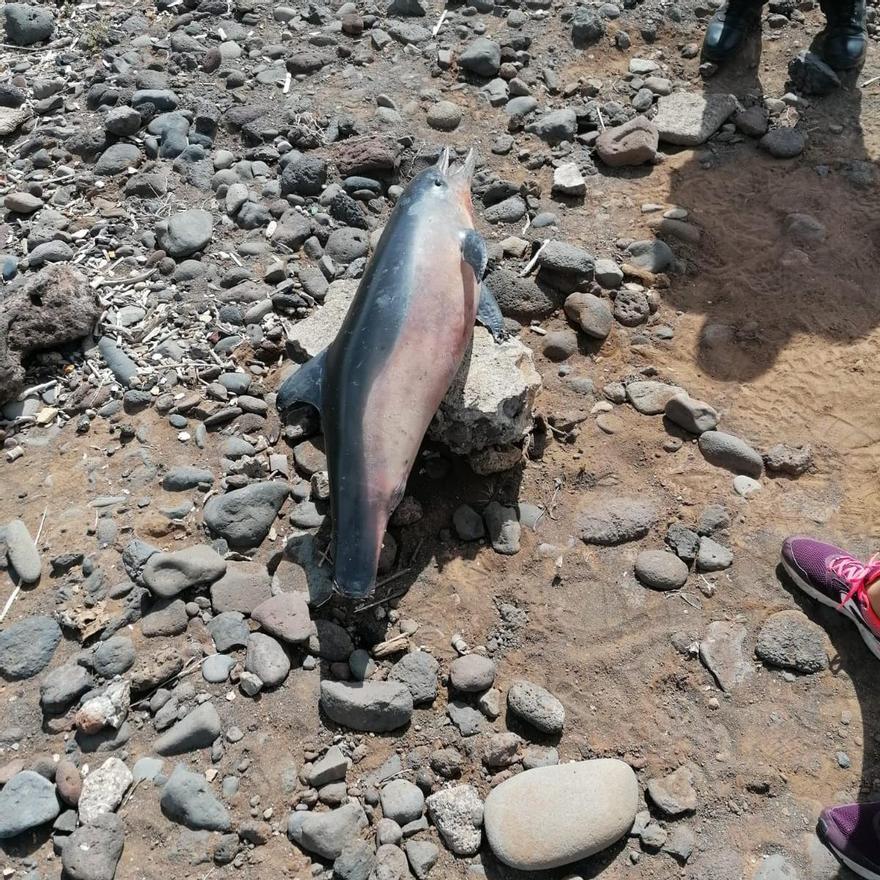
(438, 182)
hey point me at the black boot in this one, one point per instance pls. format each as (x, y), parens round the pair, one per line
(844, 42)
(729, 26)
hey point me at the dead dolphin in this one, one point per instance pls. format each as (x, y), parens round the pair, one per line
(380, 382)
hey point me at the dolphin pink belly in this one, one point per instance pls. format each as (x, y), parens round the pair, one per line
(417, 374)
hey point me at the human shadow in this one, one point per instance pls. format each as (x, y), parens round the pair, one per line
(788, 246)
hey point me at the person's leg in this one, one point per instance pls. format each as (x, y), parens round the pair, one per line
(728, 27)
(844, 42)
(836, 578)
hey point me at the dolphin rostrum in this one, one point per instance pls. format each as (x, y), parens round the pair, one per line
(379, 383)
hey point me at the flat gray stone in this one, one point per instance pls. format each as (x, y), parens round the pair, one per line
(267, 659)
(22, 552)
(244, 516)
(27, 801)
(691, 118)
(286, 616)
(377, 706)
(187, 233)
(27, 646)
(674, 795)
(660, 570)
(167, 574)
(650, 398)
(731, 452)
(244, 587)
(93, 851)
(418, 672)
(613, 520)
(723, 654)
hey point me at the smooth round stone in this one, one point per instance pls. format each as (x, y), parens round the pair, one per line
(745, 486)
(216, 668)
(660, 570)
(472, 673)
(592, 805)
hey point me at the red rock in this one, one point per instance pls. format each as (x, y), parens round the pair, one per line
(68, 782)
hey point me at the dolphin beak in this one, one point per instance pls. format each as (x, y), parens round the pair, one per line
(443, 162)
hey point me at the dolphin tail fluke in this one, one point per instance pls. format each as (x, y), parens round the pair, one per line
(303, 386)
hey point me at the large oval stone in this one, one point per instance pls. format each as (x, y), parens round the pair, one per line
(552, 816)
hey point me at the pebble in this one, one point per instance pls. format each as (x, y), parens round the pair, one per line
(327, 834)
(286, 616)
(568, 181)
(457, 813)
(331, 642)
(402, 801)
(790, 640)
(22, 552)
(472, 673)
(536, 706)
(712, 556)
(244, 516)
(187, 798)
(674, 795)
(653, 255)
(481, 56)
(593, 804)
(267, 659)
(229, 630)
(197, 730)
(243, 588)
(168, 574)
(468, 523)
(417, 671)
(187, 232)
(216, 668)
(783, 143)
(503, 526)
(27, 801)
(590, 313)
(560, 345)
(422, 855)
(730, 452)
(615, 520)
(723, 654)
(693, 415)
(92, 851)
(355, 862)
(444, 116)
(661, 570)
(651, 398)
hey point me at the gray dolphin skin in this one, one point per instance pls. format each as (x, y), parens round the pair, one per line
(379, 383)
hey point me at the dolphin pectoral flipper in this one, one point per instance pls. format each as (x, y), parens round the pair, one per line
(474, 253)
(489, 315)
(304, 386)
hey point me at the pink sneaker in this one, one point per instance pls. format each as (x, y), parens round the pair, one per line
(836, 578)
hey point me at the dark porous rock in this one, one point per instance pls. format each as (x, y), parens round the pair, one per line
(93, 851)
(790, 640)
(684, 542)
(372, 156)
(304, 175)
(331, 642)
(244, 516)
(790, 460)
(565, 267)
(520, 298)
(187, 798)
(376, 706)
(587, 27)
(48, 309)
(27, 24)
(27, 646)
(783, 143)
(615, 520)
(811, 75)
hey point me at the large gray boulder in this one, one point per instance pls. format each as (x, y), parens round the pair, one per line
(490, 400)
(377, 706)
